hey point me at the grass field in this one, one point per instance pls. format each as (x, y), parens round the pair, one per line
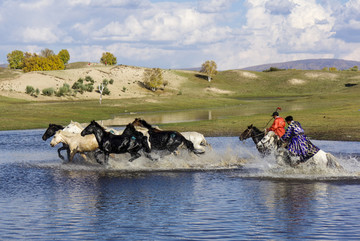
(320, 100)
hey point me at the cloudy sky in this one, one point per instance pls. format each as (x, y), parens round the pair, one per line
(182, 33)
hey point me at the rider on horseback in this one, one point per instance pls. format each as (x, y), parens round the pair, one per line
(278, 125)
(299, 144)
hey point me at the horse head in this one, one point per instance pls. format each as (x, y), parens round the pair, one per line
(51, 130)
(91, 128)
(247, 133)
(56, 139)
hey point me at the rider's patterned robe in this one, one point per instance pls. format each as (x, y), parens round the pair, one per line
(299, 143)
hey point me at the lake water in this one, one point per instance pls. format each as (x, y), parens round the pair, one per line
(230, 193)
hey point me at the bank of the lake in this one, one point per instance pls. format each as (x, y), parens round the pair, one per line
(326, 103)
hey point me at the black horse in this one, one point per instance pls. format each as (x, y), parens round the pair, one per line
(130, 141)
(50, 131)
(256, 136)
(165, 140)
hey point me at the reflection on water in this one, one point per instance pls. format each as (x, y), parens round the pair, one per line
(210, 114)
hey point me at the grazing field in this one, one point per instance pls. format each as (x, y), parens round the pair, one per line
(327, 104)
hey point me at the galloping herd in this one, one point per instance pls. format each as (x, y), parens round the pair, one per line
(139, 137)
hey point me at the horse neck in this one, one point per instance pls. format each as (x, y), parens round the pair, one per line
(257, 135)
(61, 136)
(148, 126)
(100, 134)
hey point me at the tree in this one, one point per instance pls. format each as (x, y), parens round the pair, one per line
(46, 53)
(16, 59)
(355, 68)
(38, 63)
(64, 56)
(108, 59)
(209, 68)
(153, 78)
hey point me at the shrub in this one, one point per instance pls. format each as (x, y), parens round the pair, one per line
(80, 87)
(106, 91)
(89, 79)
(29, 90)
(64, 90)
(111, 81)
(271, 69)
(48, 91)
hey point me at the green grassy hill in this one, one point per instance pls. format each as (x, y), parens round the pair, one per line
(326, 103)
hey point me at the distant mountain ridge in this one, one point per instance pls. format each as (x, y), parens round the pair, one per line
(308, 64)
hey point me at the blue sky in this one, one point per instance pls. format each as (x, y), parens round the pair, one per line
(180, 34)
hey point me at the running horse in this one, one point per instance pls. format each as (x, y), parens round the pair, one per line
(256, 135)
(50, 131)
(267, 144)
(76, 143)
(162, 140)
(130, 141)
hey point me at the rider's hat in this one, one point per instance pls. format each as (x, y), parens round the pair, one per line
(275, 113)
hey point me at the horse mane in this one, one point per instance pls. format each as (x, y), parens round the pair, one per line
(98, 125)
(66, 134)
(256, 129)
(76, 124)
(130, 126)
(145, 124)
(60, 127)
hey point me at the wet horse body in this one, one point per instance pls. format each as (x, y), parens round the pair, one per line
(130, 141)
(165, 140)
(75, 142)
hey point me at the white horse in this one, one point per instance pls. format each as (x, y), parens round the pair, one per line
(73, 127)
(197, 139)
(321, 159)
(76, 143)
(76, 127)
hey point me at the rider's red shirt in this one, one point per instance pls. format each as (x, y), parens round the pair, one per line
(278, 126)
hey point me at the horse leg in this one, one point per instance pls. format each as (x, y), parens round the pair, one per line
(149, 156)
(134, 156)
(106, 159)
(72, 154)
(64, 147)
(83, 155)
(96, 154)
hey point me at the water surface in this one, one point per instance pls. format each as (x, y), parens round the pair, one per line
(218, 196)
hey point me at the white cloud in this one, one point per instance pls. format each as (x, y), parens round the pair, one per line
(184, 33)
(111, 3)
(30, 5)
(213, 6)
(35, 34)
(181, 26)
